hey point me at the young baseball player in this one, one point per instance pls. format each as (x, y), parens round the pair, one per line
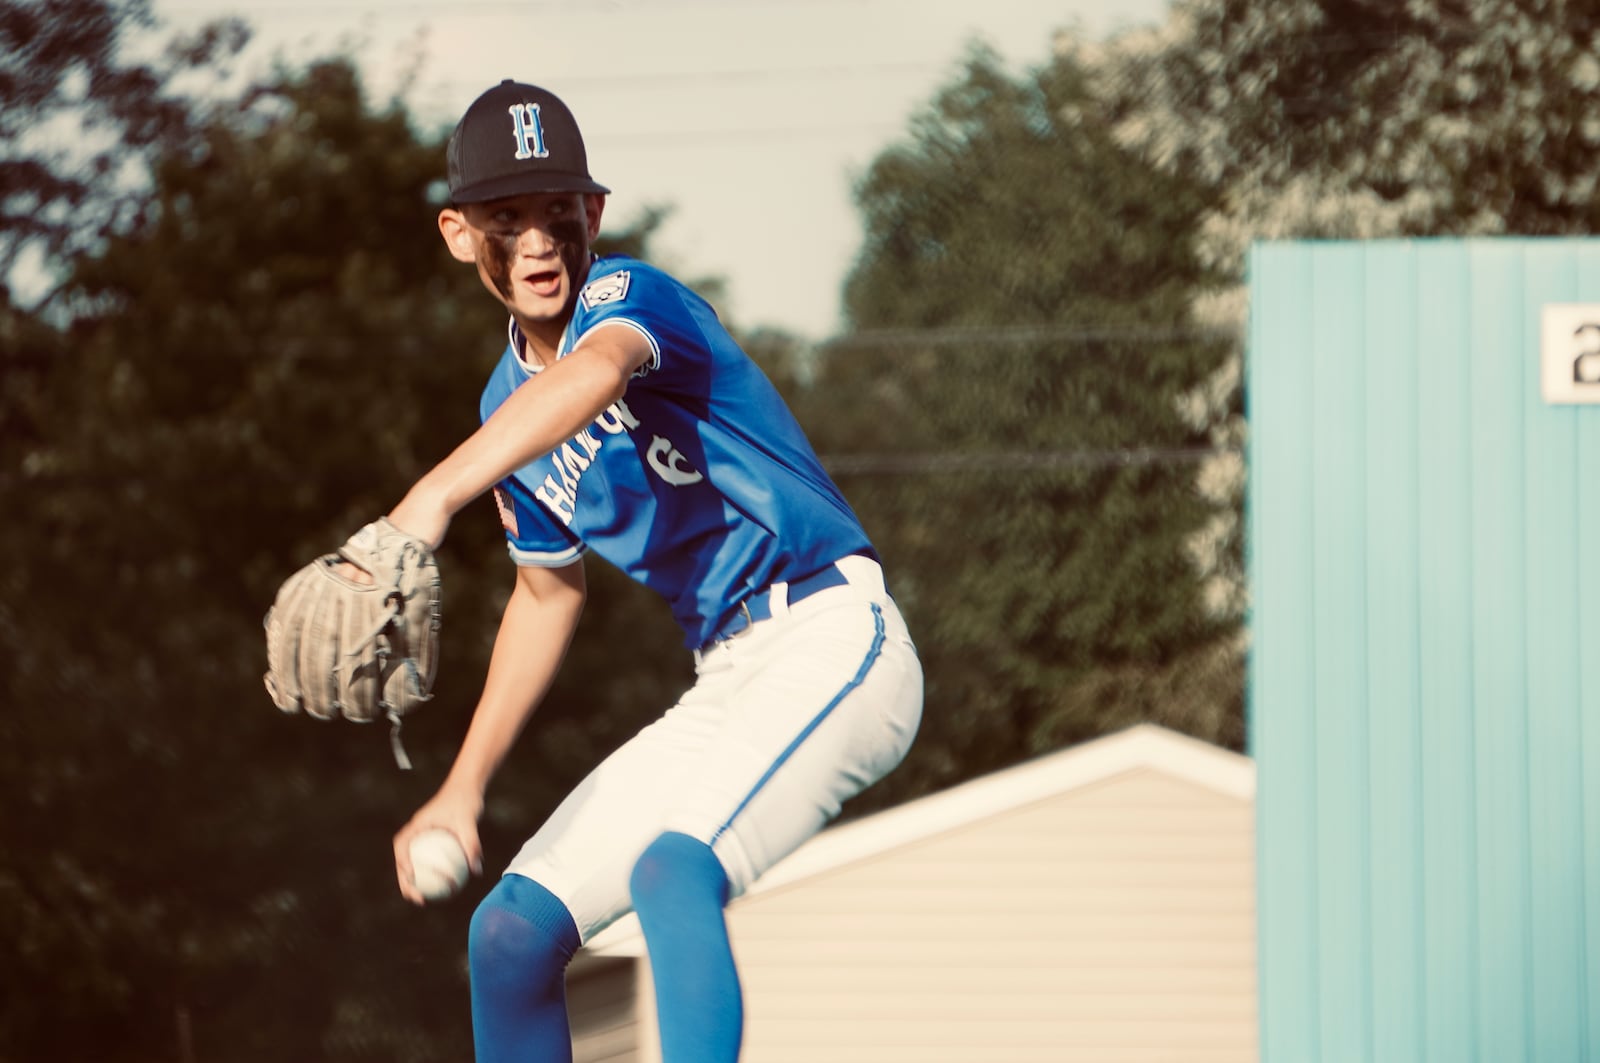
(623, 420)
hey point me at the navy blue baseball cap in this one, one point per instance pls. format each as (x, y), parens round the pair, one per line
(517, 139)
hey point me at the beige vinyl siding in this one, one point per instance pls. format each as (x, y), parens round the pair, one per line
(602, 1002)
(1111, 923)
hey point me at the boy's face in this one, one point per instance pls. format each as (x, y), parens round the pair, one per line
(532, 250)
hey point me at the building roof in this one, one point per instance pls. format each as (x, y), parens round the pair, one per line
(1145, 746)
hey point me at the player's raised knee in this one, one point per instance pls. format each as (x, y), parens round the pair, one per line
(677, 867)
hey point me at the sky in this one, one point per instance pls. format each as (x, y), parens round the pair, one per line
(751, 119)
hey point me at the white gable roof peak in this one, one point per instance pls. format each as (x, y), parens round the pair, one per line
(1144, 746)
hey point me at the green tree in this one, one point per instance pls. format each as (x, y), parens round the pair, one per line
(1355, 119)
(1008, 419)
(1361, 118)
(79, 121)
(263, 360)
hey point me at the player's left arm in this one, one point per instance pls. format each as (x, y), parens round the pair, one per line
(541, 414)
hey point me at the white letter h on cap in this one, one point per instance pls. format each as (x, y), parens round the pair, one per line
(526, 127)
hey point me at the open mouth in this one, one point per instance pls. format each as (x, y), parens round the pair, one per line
(545, 282)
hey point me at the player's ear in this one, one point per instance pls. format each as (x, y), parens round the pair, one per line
(593, 206)
(457, 235)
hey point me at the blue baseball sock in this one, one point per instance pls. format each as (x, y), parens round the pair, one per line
(518, 947)
(679, 890)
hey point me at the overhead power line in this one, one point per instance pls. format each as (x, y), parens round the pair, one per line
(325, 347)
(990, 462)
(467, 8)
(911, 463)
(1019, 335)
(632, 82)
(739, 138)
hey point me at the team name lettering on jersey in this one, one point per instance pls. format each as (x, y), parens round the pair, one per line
(559, 491)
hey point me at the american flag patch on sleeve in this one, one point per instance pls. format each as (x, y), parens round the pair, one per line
(508, 513)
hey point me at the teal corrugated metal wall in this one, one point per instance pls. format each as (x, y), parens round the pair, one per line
(1424, 555)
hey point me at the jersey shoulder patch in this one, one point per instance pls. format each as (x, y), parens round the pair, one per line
(612, 288)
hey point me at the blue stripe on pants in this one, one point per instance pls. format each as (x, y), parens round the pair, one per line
(873, 653)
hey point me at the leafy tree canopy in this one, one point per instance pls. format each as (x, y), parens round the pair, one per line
(262, 359)
(1013, 396)
(79, 119)
(1364, 118)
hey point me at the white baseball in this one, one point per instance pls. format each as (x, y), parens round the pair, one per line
(438, 866)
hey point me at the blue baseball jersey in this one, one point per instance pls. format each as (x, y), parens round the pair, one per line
(698, 483)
